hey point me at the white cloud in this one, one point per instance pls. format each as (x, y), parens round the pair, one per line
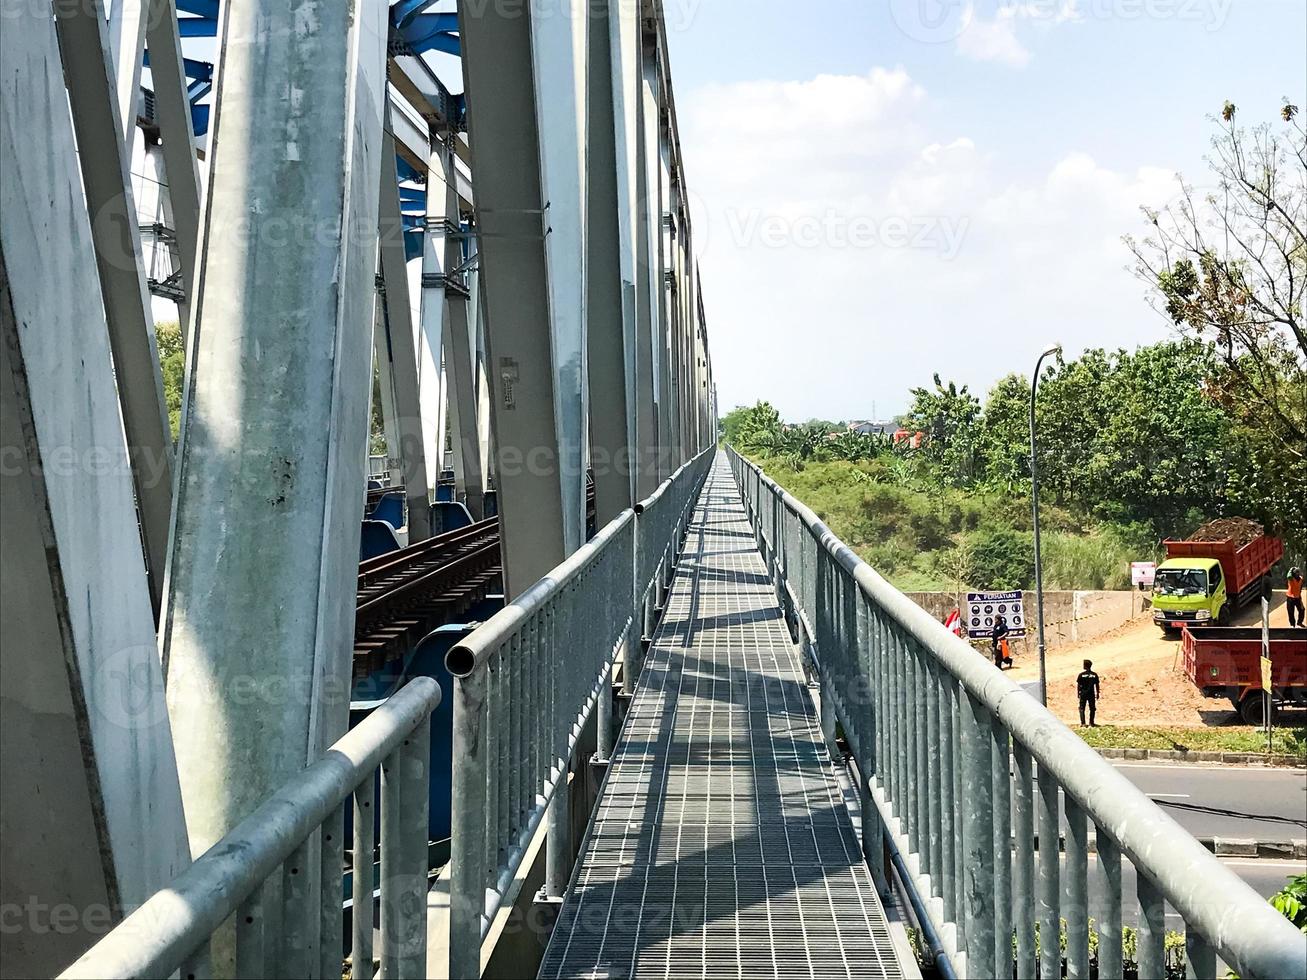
(849, 251)
(993, 40)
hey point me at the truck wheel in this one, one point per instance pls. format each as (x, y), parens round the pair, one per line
(1224, 616)
(1252, 708)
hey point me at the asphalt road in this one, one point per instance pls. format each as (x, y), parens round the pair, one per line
(1265, 877)
(1226, 801)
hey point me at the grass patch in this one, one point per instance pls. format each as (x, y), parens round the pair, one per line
(929, 538)
(1284, 741)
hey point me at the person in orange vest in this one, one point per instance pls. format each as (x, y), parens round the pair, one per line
(1294, 598)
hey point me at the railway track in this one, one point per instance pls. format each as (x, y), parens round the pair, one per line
(404, 594)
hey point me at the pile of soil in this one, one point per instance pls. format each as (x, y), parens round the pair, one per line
(1240, 529)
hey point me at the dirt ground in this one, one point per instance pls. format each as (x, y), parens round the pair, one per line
(1142, 675)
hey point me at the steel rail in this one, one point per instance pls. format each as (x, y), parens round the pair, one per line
(526, 683)
(872, 672)
(472, 561)
(171, 930)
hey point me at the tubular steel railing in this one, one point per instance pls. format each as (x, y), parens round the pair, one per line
(971, 778)
(525, 684)
(662, 519)
(264, 869)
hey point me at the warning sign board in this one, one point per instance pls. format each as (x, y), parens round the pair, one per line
(984, 608)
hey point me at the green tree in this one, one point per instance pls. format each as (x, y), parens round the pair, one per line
(733, 422)
(1005, 435)
(172, 365)
(1163, 450)
(950, 417)
(1074, 402)
(1230, 267)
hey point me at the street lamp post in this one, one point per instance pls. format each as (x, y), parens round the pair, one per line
(1034, 502)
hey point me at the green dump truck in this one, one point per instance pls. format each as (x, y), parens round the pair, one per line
(1210, 574)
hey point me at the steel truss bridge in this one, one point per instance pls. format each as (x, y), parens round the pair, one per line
(549, 684)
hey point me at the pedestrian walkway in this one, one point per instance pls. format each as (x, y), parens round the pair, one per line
(721, 846)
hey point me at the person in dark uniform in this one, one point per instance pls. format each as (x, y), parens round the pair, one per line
(999, 642)
(1087, 688)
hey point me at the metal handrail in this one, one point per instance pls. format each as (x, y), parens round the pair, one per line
(931, 722)
(299, 831)
(525, 685)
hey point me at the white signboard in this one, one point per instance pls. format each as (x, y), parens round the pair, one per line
(1142, 572)
(984, 608)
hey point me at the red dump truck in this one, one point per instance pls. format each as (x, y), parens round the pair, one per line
(1225, 662)
(1205, 578)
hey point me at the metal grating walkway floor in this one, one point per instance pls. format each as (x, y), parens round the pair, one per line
(721, 846)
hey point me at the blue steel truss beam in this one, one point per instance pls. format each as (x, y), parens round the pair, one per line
(201, 8)
(197, 27)
(403, 11)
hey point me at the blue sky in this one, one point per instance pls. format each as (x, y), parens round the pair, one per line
(889, 189)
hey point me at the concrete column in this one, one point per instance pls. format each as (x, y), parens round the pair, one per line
(432, 342)
(258, 634)
(524, 78)
(400, 335)
(610, 262)
(127, 24)
(116, 234)
(90, 818)
(382, 372)
(461, 372)
(666, 296)
(173, 111)
(475, 309)
(648, 286)
(460, 363)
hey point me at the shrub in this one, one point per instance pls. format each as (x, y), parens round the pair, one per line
(1001, 559)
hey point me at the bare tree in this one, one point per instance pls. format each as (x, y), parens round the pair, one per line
(1231, 266)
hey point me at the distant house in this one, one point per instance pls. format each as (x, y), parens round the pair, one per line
(868, 428)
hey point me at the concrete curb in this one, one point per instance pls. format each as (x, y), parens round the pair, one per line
(1220, 758)
(1269, 850)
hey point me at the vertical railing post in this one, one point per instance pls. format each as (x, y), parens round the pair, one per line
(1109, 923)
(920, 753)
(558, 841)
(296, 907)
(1151, 935)
(251, 960)
(1001, 779)
(415, 758)
(467, 887)
(360, 957)
(934, 802)
(1199, 957)
(954, 696)
(604, 723)
(1077, 891)
(949, 818)
(1050, 926)
(1023, 876)
(392, 865)
(330, 940)
(977, 763)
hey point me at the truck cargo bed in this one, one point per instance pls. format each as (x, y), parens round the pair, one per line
(1224, 661)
